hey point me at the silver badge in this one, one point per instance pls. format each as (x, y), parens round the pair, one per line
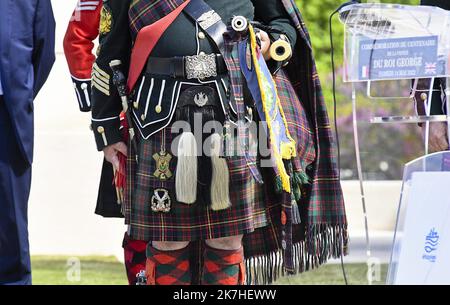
(200, 99)
(161, 202)
(201, 66)
(208, 19)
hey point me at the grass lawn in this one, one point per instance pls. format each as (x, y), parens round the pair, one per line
(99, 270)
(95, 270)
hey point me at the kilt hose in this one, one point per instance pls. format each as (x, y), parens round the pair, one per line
(135, 258)
(223, 267)
(168, 267)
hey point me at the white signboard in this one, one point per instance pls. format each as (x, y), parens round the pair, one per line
(425, 247)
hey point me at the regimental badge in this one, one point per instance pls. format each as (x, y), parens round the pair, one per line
(162, 159)
(161, 202)
(201, 99)
(105, 21)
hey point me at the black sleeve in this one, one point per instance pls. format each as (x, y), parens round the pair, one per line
(273, 13)
(445, 4)
(422, 92)
(115, 44)
(423, 86)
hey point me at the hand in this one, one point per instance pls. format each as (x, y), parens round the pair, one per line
(438, 140)
(111, 151)
(265, 44)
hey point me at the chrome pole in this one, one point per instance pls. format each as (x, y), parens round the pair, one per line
(360, 172)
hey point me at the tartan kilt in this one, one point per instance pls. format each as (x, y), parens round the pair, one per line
(254, 206)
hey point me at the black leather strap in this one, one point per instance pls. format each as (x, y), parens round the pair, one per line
(196, 9)
(175, 66)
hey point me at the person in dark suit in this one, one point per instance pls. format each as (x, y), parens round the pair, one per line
(438, 130)
(445, 4)
(27, 39)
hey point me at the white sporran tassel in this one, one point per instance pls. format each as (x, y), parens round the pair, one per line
(220, 184)
(186, 172)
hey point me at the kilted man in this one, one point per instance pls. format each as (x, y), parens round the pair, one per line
(251, 204)
(81, 32)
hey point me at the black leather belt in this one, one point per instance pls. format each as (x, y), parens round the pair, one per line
(187, 67)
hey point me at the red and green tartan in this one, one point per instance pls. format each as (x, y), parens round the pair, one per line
(168, 267)
(325, 200)
(223, 267)
(144, 12)
(297, 118)
(135, 257)
(323, 231)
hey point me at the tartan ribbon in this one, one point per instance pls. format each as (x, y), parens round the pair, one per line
(120, 178)
(231, 56)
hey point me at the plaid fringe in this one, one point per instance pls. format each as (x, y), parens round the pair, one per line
(323, 242)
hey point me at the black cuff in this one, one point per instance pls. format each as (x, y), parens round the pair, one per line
(106, 132)
(83, 91)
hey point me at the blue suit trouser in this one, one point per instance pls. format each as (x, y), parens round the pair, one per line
(15, 182)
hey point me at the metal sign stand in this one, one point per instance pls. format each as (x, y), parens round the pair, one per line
(376, 36)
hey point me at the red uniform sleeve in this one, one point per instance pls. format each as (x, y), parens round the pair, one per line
(81, 32)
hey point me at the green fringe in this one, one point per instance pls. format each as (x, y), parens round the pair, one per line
(298, 179)
(301, 178)
(322, 242)
(278, 185)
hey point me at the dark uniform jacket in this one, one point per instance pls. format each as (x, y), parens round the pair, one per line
(180, 39)
(445, 4)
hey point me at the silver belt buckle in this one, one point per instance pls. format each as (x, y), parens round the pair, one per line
(201, 66)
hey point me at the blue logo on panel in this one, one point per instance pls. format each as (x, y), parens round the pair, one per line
(431, 246)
